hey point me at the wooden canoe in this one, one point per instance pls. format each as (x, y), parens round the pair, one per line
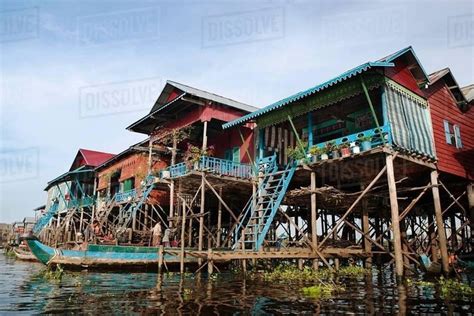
(103, 257)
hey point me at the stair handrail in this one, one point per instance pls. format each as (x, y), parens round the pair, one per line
(267, 163)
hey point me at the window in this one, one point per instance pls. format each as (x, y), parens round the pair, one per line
(453, 134)
(232, 154)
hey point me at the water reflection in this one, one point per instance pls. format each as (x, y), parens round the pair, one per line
(25, 289)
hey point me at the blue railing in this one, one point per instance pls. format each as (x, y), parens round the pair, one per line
(374, 134)
(83, 202)
(45, 218)
(123, 196)
(213, 165)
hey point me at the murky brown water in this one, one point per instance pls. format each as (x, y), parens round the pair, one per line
(23, 289)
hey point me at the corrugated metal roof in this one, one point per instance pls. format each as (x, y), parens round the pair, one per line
(163, 103)
(295, 97)
(435, 76)
(468, 92)
(211, 96)
(95, 158)
(409, 49)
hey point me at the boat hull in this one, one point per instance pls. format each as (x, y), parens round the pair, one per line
(24, 255)
(103, 257)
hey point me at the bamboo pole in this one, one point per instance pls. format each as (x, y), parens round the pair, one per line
(395, 217)
(439, 221)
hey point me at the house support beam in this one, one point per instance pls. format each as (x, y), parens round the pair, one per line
(203, 193)
(314, 235)
(397, 240)
(439, 221)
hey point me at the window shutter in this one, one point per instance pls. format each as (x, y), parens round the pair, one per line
(236, 154)
(457, 135)
(228, 154)
(447, 133)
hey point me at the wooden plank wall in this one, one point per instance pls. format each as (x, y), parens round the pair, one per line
(443, 107)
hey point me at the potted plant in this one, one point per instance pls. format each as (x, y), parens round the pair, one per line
(366, 142)
(192, 156)
(165, 174)
(332, 148)
(315, 152)
(355, 147)
(298, 153)
(345, 150)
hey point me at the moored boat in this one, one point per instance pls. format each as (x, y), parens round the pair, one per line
(104, 256)
(24, 254)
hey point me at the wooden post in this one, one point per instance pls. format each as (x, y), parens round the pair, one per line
(172, 195)
(366, 229)
(150, 145)
(470, 198)
(397, 240)
(439, 221)
(183, 229)
(203, 194)
(160, 259)
(219, 220)
(433, 243)
(314, 235)
(210, 262)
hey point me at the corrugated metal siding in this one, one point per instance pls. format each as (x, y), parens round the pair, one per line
(409, 121)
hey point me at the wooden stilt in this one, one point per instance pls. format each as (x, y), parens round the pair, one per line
(160, 259)
(210, 263)
(397, 241)
(314, 235)
(366, 228)
(432, 236)
(172, 194)
(470, 198)
(439, 221)
(203, 194)
(183, 230)
(219, 221)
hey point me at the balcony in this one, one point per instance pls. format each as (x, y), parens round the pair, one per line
(217, 166)
(83, 202)
(125, 196)
(373, 134)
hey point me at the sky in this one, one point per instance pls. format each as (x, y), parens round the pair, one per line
(75, 74)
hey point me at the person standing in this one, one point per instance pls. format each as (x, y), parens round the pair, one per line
(166, 237)
(156, 231)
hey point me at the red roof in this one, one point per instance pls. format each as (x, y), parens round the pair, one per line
(86, 157)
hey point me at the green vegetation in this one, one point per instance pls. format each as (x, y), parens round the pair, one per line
(10, 253)
(53, 274)
(448, 288)
(352, 271)
(290, 273)
(321, 290)
(452, 288)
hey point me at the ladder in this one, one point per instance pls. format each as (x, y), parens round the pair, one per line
(260, 210)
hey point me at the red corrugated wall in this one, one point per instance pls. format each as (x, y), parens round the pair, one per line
(443, 107)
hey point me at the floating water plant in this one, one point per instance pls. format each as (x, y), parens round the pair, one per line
(452, 288)
(352, 271)
(56, 274)
(319, 291)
